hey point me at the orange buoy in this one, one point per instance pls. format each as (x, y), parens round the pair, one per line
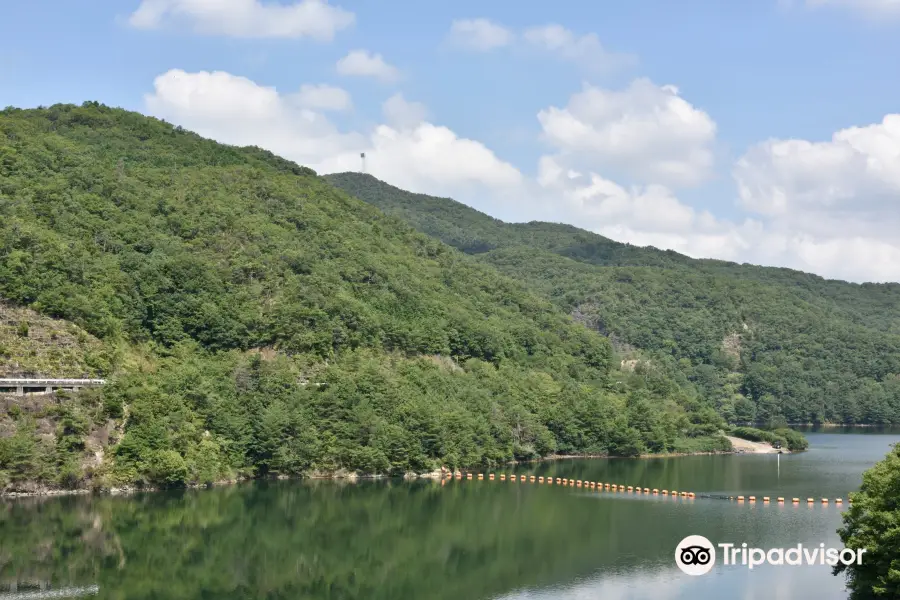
(491, 476)
(459, 475)
(655, 490)
(540, 480)
(810, 500)
(630, 488)
(502, 476)
(579, 483)
(558, 481)
(795, 500)
(824, 500)
(765, 498)
(532, 478)
(665, 492)
(690, 494)
(593, 484)
(481, 476)
(752, 498)
(646, 490)
(740, 498)
(838, 501)
(780, 500)
(606, 485)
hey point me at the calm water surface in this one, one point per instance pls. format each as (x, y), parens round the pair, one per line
(463, 540)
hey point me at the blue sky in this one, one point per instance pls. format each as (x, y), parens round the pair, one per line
(757, 69)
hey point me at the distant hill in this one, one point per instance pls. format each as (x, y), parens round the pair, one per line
(266, 322)
(759, 343)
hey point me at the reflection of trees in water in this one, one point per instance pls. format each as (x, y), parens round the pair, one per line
(378, 540)
(53, 547)
(56, 541)
(289, 540)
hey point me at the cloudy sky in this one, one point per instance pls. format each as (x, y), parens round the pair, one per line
(763, 131)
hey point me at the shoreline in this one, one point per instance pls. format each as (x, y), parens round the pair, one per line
(338, 476)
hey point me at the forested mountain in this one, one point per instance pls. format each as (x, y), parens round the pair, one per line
(757, 342)
(254, 319)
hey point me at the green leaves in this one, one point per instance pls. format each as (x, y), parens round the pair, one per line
(256, 320)
(873, 523)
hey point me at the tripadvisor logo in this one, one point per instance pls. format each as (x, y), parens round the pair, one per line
(696, 555)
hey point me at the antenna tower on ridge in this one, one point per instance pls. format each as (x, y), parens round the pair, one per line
(362, 155)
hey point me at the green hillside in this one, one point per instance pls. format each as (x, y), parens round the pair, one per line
(33, 345)
(257, 320)
(758, 343)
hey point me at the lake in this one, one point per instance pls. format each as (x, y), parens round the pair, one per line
(464, 540)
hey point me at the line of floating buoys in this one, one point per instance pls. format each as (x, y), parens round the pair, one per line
(614, 487)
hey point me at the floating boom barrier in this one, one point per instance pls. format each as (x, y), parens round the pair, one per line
(601, 486)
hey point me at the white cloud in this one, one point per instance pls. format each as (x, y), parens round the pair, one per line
(604, 202)
(323, 97)
(831, 207)
(844, 193)
(645, 131)
(418, 156)
(362, 63)
(430, 159)
(314, 19)
(826, 207)
(585, 49)
(479, 34)
(483, 35)
(403, 114)
(235, 110)
(654, 216)
(857, 172)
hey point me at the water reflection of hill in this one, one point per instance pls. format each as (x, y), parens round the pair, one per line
(371, 540)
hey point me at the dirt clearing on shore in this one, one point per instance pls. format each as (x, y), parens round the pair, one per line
(752, 447)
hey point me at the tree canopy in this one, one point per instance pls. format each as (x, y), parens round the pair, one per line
(761, 344)
(872, 523)
(253, 319)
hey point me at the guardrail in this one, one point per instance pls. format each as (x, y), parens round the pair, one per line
(22, 386)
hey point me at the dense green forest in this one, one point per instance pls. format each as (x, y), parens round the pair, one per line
(872, 525)
(255, 320)
(760, 344)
